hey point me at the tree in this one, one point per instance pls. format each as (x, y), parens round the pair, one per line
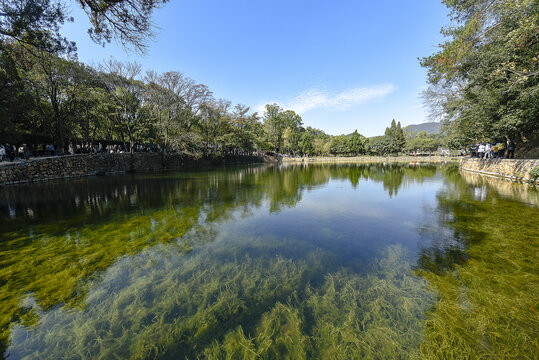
(355, 145)
(339, 145)
(421, 142)
(382, 145)
(37, 22)
(128, 21)
(56, 81)
(293, 132)
(484, 80)
(396, 134)
(274, 126)
(128, 94)
(306, 144)
(16, 101)
(246, 128)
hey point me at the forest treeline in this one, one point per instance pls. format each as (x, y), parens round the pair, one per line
(48, 96)
(51, 98)
(483, 86)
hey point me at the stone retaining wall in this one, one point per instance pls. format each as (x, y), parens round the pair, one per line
(372, 159)
(513, 169)
(62, 167)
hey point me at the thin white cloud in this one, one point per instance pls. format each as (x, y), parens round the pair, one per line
(320, 99)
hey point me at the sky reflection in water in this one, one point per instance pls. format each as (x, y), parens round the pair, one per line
(261, 262)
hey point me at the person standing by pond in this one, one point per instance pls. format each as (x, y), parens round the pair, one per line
(510, 149)
(480, 150)
(488, 149)
(495, 151)
(501, 148)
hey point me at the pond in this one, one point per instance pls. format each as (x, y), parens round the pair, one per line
(339, 261)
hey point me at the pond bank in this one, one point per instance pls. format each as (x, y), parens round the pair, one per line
(372, 159)
(71, 166)
(63, 167)
(511, 169)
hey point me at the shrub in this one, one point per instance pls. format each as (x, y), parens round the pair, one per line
(534, 174)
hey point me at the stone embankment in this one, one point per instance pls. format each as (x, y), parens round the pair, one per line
(63, 167)
(512, 169)
(372, 159)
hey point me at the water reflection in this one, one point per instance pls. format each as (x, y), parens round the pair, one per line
(236, 262)
(480, 256)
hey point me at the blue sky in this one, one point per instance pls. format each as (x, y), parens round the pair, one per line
(343, 65)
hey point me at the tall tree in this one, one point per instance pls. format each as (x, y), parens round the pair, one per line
(274, 125)
(484, 79)
(355, 145)
(128, 95)
(395, 138)
(56, 82)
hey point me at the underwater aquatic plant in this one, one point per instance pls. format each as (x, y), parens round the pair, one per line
(487, 303)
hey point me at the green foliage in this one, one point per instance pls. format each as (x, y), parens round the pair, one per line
(421, 143)
(16, 103)
(383, 145)
(306, 145)
(339, 145)
(484, 273)
(534, 174)
(37, 23)
(355, 144)
(485, 77)
(394, 139)
(151, 273)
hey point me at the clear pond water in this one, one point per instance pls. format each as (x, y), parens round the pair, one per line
(345, 261)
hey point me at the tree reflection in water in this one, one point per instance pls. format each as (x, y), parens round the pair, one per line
(129, 266)
(480, 256)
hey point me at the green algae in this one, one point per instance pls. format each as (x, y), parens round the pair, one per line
(259, 307)
(157, 272)
(488, 301)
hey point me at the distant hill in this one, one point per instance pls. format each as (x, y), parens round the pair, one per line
(429, 127)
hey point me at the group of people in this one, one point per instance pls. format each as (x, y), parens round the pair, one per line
(88, 148)
(495, 150)
(10, 152)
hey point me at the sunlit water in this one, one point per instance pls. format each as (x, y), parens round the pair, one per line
(320, 261)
